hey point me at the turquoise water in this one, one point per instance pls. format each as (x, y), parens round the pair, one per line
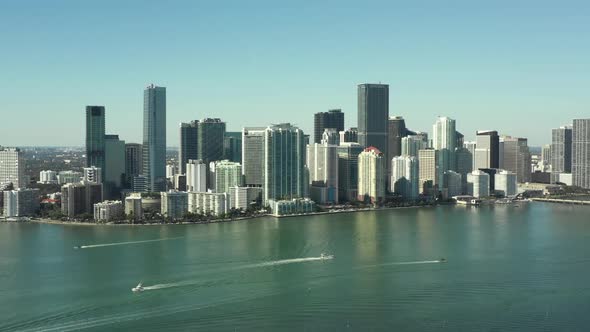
(509, 268)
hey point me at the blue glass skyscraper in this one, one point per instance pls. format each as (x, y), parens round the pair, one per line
(154, 137)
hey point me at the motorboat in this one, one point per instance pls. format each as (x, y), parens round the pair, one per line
(326, 256)
(77, 247)
(442, 260)
(138, 288)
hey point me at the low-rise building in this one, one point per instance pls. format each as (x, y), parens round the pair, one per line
(21, 202)
(174, 204)
(216, 204)
(108, 211)
(292, 206)
(133, 207)
(242, 197)
(48, 177)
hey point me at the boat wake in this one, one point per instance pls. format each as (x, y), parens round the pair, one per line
(404, 263)
(89, 246)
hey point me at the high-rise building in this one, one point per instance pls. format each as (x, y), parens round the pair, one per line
(170, 172)
(253, 156)
(487, 146)
(79, 198)
(581, 153)
(189, 133)
(210, 139)
(108, 211)
(464, 163)
(232, 146)
(561, 150)
(216, 204)
(478, 184)
(546, 157)
(444, 139)
(453, 183)
(21, 202)
(284, 162)
(174, 204)
(396, 131)
(505, 183)
(196, 176)
(322, 161)
(405, 176)
(332, 119)
(243, 197)
(95, 136)
(373, 116)
(92, 174)
(114, 176)
(133, 162)
(154, 137)
(47, 177)
(349, 135)
(139, 184)
(411, 144)
(12, 168)
(517, 158)
(133, 207)
(372, 173)
(227, 174)
(428, 171)
(330, 136)
(348, 153)
(470, 146)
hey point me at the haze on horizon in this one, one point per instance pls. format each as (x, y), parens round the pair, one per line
(521, 68)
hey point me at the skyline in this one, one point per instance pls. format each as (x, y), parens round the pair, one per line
(488, 66)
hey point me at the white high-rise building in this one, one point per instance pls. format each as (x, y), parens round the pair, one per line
(12, 168)
(561, 150)
(170, 172)
(196, 176)
(428, 171)
(410, 145)
(581, 153)
(174, 204)
(478, 184)
(405, 177)
(214, 203)
(48, 177)
(372, 172)
(242, 197)
(454, 183)
(92, 174)
(322, 161)
(505, 183)
(108, 211)
(444, 139)
(133, 206)
(227, 174)
(21, 202)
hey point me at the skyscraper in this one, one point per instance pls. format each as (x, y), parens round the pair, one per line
(464, 163)
(581, 153)
(12, 168)
(253, 156)
(405, 176)
(322, 161)
(201, 139)
(373, 115)
(396, 130)
(114, 176)
(284, 163)
(196, 176)
(505, 183)
(372, 173)
(133, 162)
(349, 135)
(428, 172)
(188, 148)
(561, 150)
(227, 174)
(348, 153)
(517, 158)
(411, 144)
(487, 154)
(444, 140)
(232, 146)
(95, 131)
(154, 137)
(323, 120)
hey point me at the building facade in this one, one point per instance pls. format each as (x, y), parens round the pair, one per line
(348, 153)
(372, 175)
(95, 132)
(487, 149)
(243, 197)
(323, 120)
(154, 137)
(79, 198)
(517, 158)
(405, 177)
(561, 150)
(196, 176)
(114, 175)
(581, 153)
(12, 168)
(174, 204)
(428, 171)
(108, 211)
(133, 162)
(133, 207)
(21, 202)
(505, 183)
(322, 161)
(253, 156)
(373, 116)
(48, 177)
(227, 174)
(478, 184)
(216, 204)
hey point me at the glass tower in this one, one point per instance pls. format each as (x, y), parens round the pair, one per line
(154, 137)
(95, 131)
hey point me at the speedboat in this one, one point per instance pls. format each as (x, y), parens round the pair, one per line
(326, 256)
(76, 247)
(442, 260)
(138, 288)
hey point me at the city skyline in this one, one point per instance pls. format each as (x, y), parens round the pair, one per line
(510, 64)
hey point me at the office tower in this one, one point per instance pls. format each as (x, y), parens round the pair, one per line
(210, 138)
(373, 116)
(453, 183)
(253, 156)
(348, 153)
(333, 119)
(581, 153)
(464, 164)
(95, 136)
(174, 204)
(411, 144)
(487, 147)
(349, 135)
(478, 184)
(396, 131)
(284, 162)
(189, 141)
(227, 174)
(92, 174)
(133, 208)
(196, 176)
(561, 150)
(322, 161)
(405, 176)
(170, 172)
(517, 158)
(232, 146)
(460, 140)
(12, 168)
(424, 137)
(330, 136)
(133, 161)
(47, 177)
(546, 157)
(216, 204)
(428, 171)
(470, 146)
(444, 140)
(139, 184)
(114, 176)
(372, 173)
(108, 211)
(79, 198)
(180, 182)
(154, 137)
(242, 198)
(21, 202)
(505, 183)
(65, 177)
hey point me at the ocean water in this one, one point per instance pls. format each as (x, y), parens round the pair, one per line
(508, 268)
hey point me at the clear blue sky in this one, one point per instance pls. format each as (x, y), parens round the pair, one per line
(520, 67)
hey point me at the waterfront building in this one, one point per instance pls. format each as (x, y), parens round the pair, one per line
(227, 174)
(322, 161)
(411, 144)
(581, 153)
(333, 119)
(154, 137)
(517, 158)
(133, 162)
(292, 206)
(108, 211)
(232, 146)
(505, 183)
(21, 202)
(196, 176)
(348, 153)
(114, 175)
(478, 184)
(253, 156)
(372, 175)
(92, 174)
(243, 197)
(12, 168)
(174, 204)
(284, 162)
(203, 140)
(405, 176)
(349, 135)
(487, 146)
(428, 172)
(133, 206)
(444, 139)
(561, 150)
(48, 177)
(65, 177)
(216, 204)
(453, 183)
(95, 137)
(373, 116)
(79, 198)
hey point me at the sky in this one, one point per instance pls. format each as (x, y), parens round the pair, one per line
(520, 67)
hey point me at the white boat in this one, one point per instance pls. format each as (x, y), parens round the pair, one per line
(326, 256)
(138, 288)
